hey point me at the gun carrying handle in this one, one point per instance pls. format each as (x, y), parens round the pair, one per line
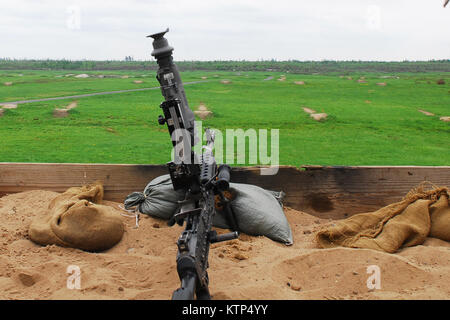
(223, 177)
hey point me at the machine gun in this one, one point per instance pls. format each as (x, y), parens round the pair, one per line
(199, 177)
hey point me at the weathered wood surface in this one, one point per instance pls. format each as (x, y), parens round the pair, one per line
(323, 191)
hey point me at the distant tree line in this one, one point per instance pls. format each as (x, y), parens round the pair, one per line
(293, 66)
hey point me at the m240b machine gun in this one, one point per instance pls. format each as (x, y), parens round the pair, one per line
(198, 176)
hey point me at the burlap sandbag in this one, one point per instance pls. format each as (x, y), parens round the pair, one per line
(76, 219)
(406, 223)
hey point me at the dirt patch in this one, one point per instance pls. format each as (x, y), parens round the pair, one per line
(319, 116)
(71, 105)
(64, 112)
(125, 77)
(9, 106)
(361, 81)
(1, 112)
(440, 81)
(299, 82)
(60, 113)
(368, 101)
(426, 113)
(138, 81)
(202, 112)
(308, 110)
(381, 84)
(282, 78)
(83, 75)
(445, 119)
(202, 107)
(204, 78)
(225, 81)
(142, 265)
(8, 83)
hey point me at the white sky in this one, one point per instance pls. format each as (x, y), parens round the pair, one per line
(227, 29)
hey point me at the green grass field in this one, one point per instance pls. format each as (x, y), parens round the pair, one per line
(367, 124)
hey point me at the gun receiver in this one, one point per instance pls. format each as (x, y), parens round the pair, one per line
(199, 177)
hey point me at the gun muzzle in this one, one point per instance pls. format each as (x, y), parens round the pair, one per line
(161, 46)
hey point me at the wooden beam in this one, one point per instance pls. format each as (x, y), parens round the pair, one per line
(329, 192)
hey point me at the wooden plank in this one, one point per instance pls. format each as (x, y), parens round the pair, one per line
(338, 192)
(323, 191)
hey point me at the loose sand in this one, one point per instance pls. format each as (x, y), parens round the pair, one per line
(142, 265)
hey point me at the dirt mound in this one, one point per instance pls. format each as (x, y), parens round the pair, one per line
(64, 112)
(142, 265)
(204, 78)
(445, 119)
(308, 110)
(342, 273)
(71, 105)
(319, 116)
(202, 112)
(202, 107)
(426, 113)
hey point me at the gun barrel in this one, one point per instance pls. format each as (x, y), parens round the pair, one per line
(170, 80)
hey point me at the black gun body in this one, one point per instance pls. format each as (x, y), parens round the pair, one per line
(196, 178)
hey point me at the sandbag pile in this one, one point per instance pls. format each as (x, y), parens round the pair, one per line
(421, 214)
(77, 219)
(258, 211)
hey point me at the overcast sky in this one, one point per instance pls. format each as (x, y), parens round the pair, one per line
(228, 29)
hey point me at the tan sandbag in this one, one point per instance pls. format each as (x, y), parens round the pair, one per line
(76, 219)
(440, 219)
(406, 223)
